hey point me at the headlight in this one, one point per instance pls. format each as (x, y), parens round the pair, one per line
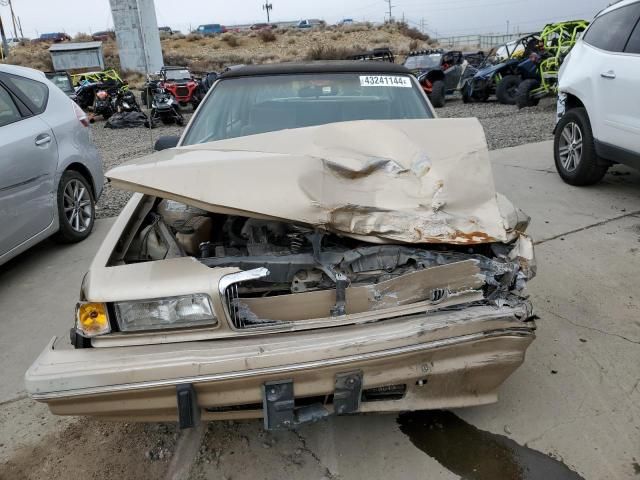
(173, 312)
(92, 319)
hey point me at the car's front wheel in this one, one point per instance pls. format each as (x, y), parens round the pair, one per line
(574, 150)
(76, 208)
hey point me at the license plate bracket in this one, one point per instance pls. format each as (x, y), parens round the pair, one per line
(281, 413)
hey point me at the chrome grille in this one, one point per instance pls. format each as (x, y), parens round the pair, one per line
(237, 313)
(231, 302)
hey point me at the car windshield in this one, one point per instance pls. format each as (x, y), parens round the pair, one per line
(182, 74)
(62, 82)
(251, 105)
(423, 61)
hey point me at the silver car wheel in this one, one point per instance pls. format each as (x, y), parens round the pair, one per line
(570, 146)
(77, 206)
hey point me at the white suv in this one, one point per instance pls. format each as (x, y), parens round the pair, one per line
(599, 100)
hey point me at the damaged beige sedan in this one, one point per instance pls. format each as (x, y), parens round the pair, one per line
(317, 243)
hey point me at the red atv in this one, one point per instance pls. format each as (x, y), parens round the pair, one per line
(179, 82)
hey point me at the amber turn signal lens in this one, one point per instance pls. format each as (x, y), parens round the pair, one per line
(92, 319)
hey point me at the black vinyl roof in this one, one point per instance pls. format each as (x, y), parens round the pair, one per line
(340, 66)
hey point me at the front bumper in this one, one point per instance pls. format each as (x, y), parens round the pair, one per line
(447, 359)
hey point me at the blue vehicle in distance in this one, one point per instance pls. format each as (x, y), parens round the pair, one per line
(211, 29)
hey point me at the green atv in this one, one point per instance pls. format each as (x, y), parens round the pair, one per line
(539, 72)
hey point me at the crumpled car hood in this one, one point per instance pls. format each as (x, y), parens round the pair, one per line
(411, 181)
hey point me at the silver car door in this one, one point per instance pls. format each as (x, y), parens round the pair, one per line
(28, 162)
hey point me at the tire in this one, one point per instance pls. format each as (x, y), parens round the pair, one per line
(143, 97)
(438, 94)
(74, 192)
(507, 89)
(577, 166)
(523, 97)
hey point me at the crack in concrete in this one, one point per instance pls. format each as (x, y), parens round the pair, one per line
(548, 170)
(594, 329)
(305, 448)
(13, 400)
(588, 227)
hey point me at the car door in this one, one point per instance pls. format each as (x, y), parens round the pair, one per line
(453, 70)
(28, 161)
(615, 70)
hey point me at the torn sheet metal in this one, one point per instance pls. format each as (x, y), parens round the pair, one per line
(435, 283)
(413, 181)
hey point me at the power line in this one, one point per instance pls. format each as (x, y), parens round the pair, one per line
(390, 7)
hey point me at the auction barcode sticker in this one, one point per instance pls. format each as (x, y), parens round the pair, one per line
(384, 81)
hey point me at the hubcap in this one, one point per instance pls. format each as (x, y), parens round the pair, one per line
(77, 206)
(570, 147)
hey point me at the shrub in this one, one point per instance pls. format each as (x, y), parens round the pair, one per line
(82, 37)
(267, 36)
(322, 52)
(291, 41)
(376, 39)
(414, 44)
(192, 37)
(412, 33)
(230, 39)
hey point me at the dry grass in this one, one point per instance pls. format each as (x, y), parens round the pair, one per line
(204, 53)
(230, 39)
(329, 52)
(267, 36)
(82, 37)
(31, 55)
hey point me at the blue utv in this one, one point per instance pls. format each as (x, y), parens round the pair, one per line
(499, 75)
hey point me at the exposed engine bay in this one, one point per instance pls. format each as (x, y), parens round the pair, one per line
(298, 259)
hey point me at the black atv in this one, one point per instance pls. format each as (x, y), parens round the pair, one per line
(498, 75)
(438, 72)
(379, 54)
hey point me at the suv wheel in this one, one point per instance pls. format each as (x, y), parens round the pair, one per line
(574, 151)
(76, 208)
(438, 94)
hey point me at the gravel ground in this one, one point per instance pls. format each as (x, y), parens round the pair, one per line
(504, 125)
(119, 146)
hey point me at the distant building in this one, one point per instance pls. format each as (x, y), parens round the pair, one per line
(77, 56)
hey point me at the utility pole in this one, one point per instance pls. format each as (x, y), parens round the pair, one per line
(13, 20)
(507, 27)
(5, 45)
(268, 7)
(390, 7)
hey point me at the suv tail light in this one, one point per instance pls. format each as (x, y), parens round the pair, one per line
(82, 117)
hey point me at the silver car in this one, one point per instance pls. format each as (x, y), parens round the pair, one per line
(50, 171)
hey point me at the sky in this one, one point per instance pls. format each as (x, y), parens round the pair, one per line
(439, 17)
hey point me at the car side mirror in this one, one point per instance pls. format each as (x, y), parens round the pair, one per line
(165, 142)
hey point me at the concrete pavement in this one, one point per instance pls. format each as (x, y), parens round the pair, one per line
(577, 397)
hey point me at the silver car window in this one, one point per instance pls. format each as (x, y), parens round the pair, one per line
(35, 92)
(9, 113)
